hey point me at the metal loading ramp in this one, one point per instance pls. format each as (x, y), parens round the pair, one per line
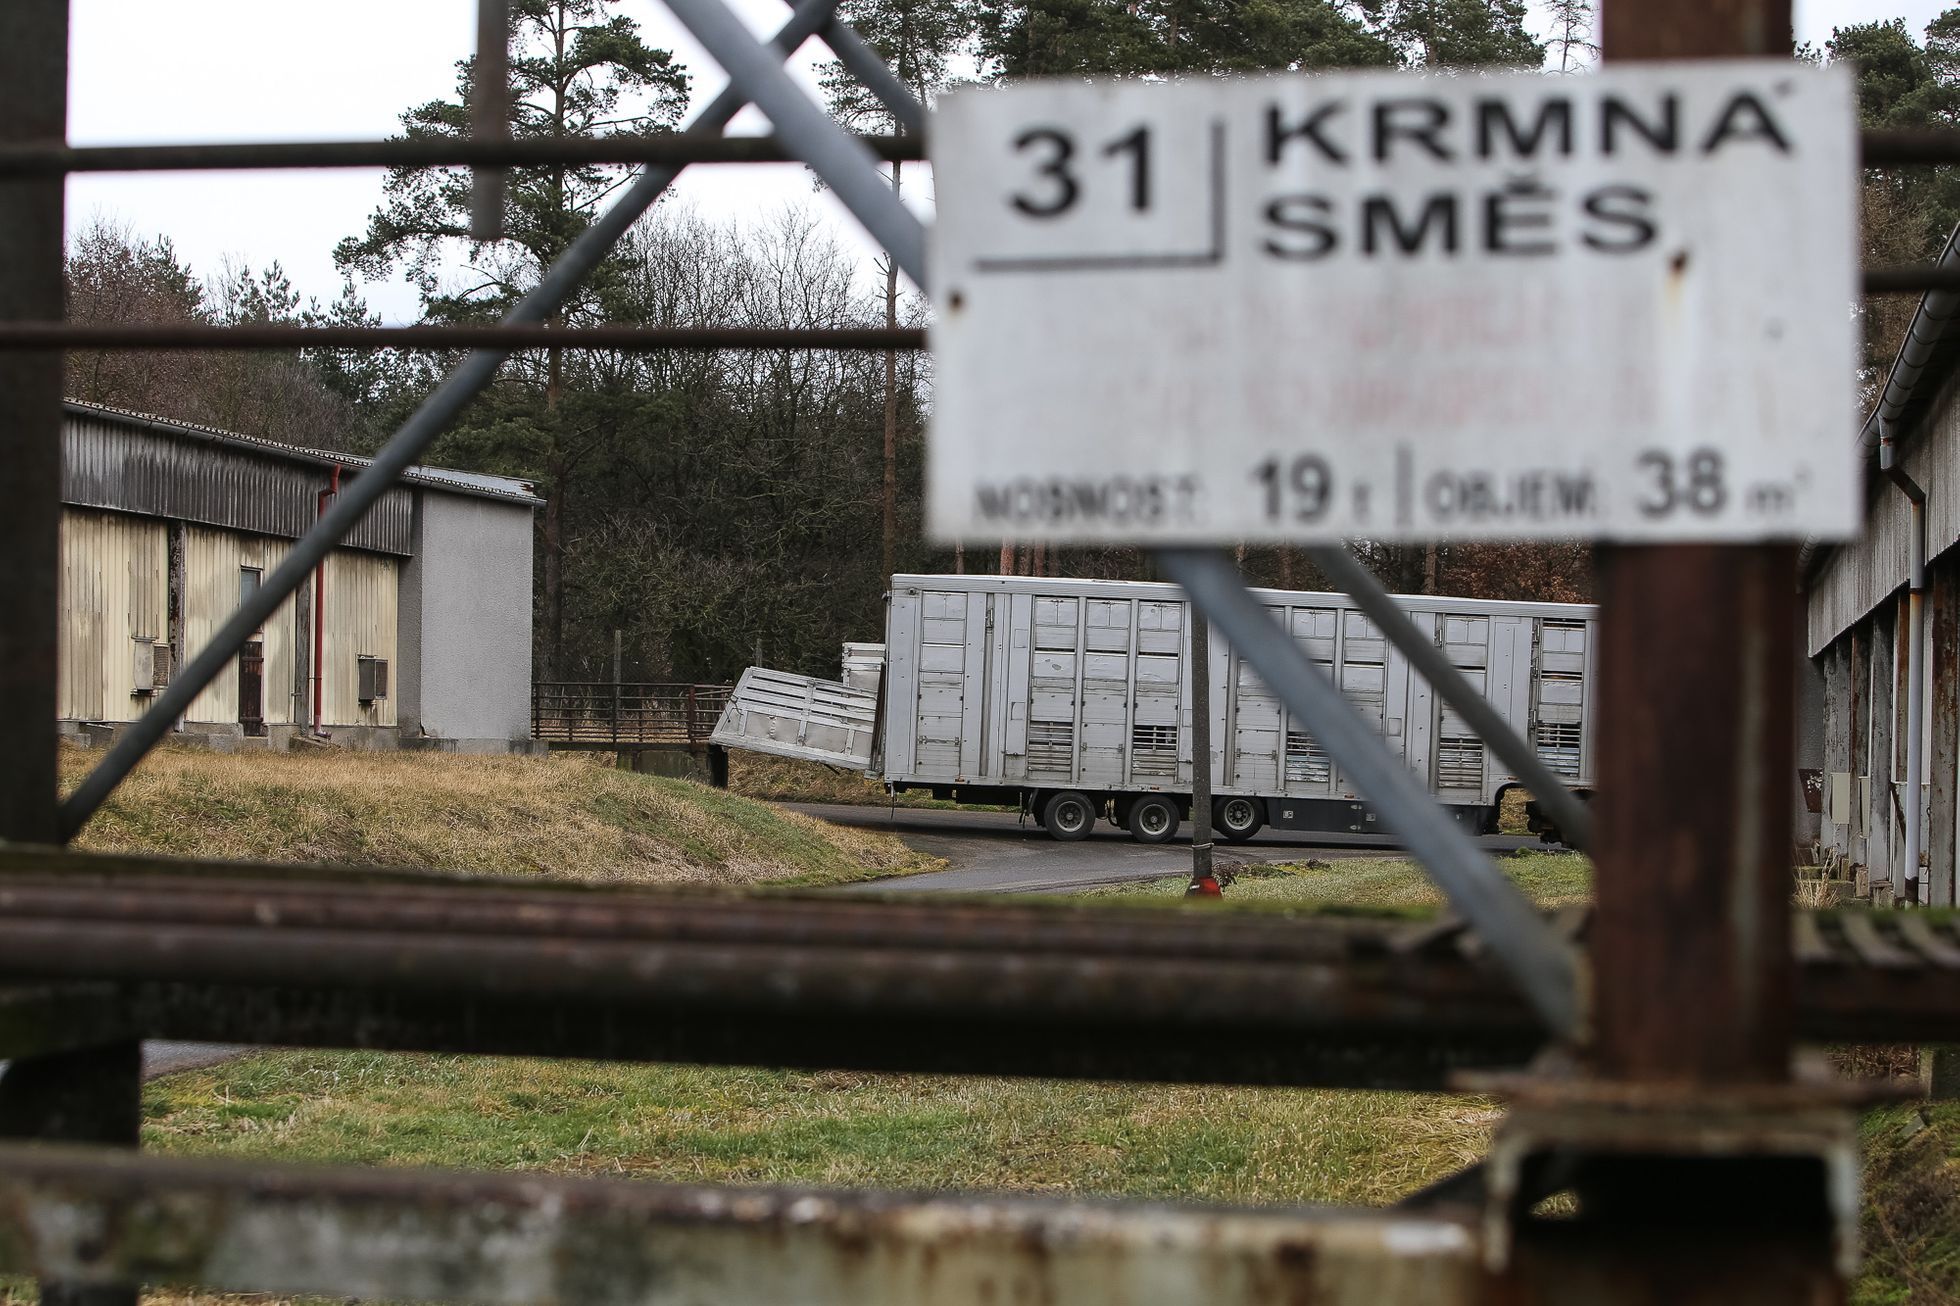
(801, 717)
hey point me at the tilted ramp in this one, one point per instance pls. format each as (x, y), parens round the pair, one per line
(800, 716)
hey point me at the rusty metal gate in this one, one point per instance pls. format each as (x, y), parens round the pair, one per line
(1657, 1033)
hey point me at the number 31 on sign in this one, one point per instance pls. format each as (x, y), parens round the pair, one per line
(1327, 306)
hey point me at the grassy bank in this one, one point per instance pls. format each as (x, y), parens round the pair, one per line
(786, 780)
(1370, 886)
(687, 1123)
(546, 818)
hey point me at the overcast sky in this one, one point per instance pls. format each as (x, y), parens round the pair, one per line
(243, 70)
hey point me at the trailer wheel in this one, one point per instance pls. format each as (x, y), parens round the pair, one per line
(1068, 816)
(1153, 819)
(1238, 817)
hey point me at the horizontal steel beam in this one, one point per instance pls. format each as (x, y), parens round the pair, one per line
(93, 1218)
(40, 1019)
(804, 981)
(678, 149)
(1890, 148)
(1900, 147)
(1910, 279)
(388, 959)
(67, 335)
(99, 1218)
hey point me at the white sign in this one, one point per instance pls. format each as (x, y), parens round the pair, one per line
(1338, 305)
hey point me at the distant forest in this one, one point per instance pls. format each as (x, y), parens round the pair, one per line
(717, 507)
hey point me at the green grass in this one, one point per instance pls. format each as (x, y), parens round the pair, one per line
(1371, 886)
(683, 1123)
(1911, 1224)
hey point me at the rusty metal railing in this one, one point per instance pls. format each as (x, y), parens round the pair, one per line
(630, 714)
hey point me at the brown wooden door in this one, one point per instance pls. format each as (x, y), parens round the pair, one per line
(251, 687)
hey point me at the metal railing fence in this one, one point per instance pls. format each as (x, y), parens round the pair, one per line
(596, 713)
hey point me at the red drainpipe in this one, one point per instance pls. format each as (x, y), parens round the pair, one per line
(320, 610)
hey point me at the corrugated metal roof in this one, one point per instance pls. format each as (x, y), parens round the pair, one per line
(109, 461)
(445, 479)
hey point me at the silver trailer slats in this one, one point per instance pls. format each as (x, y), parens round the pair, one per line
(801, 717)
(1040, 685)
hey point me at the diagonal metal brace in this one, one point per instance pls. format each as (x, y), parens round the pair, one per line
(1346, 572)
(1523, 942)
(843, 162)
(864, 63)
(429, 420)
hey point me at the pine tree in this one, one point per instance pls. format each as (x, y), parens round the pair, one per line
(577, 70)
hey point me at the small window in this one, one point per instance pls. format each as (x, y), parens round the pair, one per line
(373, 678)
(248, 583)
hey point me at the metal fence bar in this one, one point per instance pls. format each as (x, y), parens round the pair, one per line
(407, 444)
(1899, 147)
(1888, 148)
(543, 1240)
(489, 115)
(88, 1093)
(1521, 941)
(850, 170)
(864, 63)
(34, 70)
(1346, 572)
(1910, 279)
(673, 149)
(63, 335)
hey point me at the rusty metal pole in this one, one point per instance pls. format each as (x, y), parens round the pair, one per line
(92, 1094)
(1203, 882)
(1691, 940)
(34, 75)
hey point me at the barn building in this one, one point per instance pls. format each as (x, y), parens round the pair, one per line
(415, 633)
(1883, 617)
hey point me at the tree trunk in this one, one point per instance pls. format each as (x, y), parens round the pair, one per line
(1007, 557)
(959, 559)
(554, 518)
(1429, 568)
(554, 570)
(891, 401)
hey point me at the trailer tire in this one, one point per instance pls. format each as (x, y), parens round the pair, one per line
(1068, 816)
(1237, 817)
(1153, 819)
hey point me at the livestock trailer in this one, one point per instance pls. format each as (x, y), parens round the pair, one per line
(1071, 699)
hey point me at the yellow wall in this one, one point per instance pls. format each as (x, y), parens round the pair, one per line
(213, 560)
(114, 587)
(361, 608)
(115, 578)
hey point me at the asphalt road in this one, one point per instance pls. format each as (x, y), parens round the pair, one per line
(996, 852)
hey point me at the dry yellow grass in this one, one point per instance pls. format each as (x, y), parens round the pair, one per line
(561, 818)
